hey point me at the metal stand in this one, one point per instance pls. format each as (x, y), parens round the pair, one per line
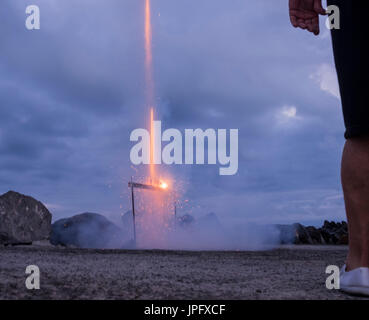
(133, 212)
(133, 185)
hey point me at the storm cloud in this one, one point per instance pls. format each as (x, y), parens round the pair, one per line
(71, 93)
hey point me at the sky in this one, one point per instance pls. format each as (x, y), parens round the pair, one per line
(72, 92)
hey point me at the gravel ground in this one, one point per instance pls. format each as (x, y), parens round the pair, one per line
(292, 272)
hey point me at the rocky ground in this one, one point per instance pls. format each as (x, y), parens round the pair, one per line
(290, 272)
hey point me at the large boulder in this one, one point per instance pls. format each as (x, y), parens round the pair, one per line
(87, 230)
(23, 219)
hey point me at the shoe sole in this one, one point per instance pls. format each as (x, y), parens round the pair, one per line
(362, 291)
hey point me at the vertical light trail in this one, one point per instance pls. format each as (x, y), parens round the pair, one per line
(149, 82)
(148, 56)
(152, 150)
(156, 216)
(148, 33)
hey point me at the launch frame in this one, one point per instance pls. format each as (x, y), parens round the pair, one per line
(143, 186)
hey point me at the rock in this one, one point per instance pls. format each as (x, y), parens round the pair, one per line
(344, 240)
(315, 235)
(294, 234)
(330, 233)
(335, 233)
(302, 235)
(23, 219)
(327, 237)
(87, 230)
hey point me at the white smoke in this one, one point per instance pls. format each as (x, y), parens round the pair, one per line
(205, 233)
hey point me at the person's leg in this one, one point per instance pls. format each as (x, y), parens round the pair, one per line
(355, 182)
(350, 53)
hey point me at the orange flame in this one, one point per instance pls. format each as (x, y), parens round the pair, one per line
(149, 85)
(155, 209)
(152, 150)
(163, 185)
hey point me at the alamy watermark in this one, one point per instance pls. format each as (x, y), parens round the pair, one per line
(189, 149)
(333, 280)
(33, 280)
(333, 20)
(33, 17)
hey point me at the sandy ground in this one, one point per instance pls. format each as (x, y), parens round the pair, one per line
(285, 273)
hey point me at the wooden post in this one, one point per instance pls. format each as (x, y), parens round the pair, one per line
(133, 213)
(137, 185)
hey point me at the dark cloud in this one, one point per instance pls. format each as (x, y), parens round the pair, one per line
(71, 93)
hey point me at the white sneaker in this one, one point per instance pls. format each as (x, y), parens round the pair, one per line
(355, 281)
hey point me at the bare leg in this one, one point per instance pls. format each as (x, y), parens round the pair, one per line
(355, 182)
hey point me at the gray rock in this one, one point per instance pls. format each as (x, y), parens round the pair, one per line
(87, 230)
(23, 219)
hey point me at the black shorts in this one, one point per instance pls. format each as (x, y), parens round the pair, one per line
(351, 57)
